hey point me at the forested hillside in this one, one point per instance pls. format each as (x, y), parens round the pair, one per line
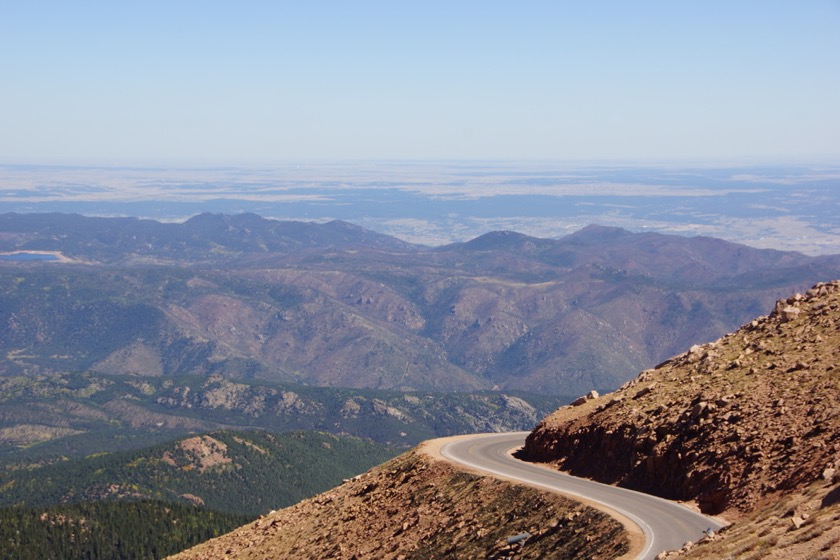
(77, 414)
(140, 530)
(245, 473)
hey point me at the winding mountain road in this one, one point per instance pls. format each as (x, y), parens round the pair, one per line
(666, 525)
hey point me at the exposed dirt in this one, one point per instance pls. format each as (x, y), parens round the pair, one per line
(418, 507)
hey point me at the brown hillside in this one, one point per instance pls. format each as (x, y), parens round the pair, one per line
(729, 423)
(747, 426)
(418, 507)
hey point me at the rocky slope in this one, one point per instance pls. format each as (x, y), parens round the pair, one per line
(747, 426)
(798, 526)
(415, 507)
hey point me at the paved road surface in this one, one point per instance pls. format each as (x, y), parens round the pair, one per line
(665, 524)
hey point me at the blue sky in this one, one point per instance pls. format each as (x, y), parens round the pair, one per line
(246, 81)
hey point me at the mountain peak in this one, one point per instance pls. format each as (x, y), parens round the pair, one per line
(596, 232)
(503, 241)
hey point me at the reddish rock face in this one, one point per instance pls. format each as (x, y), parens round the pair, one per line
(728, 424)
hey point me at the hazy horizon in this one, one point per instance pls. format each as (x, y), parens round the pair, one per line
(434, 203)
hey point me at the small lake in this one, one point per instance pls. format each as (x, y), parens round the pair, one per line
(29, 257)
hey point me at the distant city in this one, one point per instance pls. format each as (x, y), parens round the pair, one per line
(435, 203)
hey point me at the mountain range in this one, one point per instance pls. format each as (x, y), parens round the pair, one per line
(336, 305)
(136, 331)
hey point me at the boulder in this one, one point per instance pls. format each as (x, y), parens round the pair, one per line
(787, 313)
(591, 395)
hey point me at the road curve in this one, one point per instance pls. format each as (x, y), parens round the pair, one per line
(666, 525)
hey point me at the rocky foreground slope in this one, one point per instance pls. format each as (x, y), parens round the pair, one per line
(418, 507)
(747, 426)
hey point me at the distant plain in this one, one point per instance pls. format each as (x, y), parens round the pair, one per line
(786, 207)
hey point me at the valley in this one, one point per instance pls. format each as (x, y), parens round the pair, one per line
(152, 502)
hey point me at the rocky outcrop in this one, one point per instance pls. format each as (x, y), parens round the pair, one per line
(731, 425)
(200, 452)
